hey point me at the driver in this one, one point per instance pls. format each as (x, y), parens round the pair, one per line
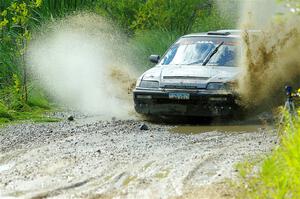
(227, 57)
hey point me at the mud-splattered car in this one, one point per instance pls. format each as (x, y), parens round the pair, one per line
(195, 77)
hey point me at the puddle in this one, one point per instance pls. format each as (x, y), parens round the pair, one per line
(188, 129)
(96, 118)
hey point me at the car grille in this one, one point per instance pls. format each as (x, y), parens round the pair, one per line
(186, 77)
(180, 87)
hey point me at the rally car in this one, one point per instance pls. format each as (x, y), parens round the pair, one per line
(196, 77)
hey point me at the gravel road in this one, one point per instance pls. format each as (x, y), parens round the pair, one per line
(115, 159)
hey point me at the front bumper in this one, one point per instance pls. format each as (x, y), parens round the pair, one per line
(200, 103)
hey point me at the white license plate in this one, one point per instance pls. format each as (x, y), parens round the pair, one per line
(179, 96)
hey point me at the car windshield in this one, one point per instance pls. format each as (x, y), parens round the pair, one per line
(196, 50)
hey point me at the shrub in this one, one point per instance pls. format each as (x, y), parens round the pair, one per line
(4, 113)
(279, 175)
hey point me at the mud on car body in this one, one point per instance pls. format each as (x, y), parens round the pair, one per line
(194, 78)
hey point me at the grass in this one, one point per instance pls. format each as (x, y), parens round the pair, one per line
(37, 115)
(37, 98)
(5, 116)
(14, 111)
(58, 8)
(279, 174)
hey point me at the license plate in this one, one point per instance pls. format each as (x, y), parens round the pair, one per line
(179, 96)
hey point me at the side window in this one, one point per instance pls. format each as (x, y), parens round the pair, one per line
(170, 55)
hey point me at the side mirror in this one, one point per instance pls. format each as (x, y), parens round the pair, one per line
(154, 59)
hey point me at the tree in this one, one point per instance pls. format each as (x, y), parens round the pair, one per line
(171, 15)
(166, 15)
(122, 12)
(14, 20)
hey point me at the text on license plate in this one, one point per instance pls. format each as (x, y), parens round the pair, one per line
(180, 96)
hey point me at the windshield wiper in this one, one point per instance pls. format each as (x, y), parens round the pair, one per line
(212, 54)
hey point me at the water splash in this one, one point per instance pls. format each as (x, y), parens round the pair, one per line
(82, 61)
(270, 57)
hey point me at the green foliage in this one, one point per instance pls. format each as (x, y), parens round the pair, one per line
(174, 15)
(170, 16)
(13, 109)
(59, 8)
(279, 176)
(37, 98)
(17, 14)
(17, 101)
(14, 20)
(8, 62)
(215, 19)
(121, 12)
(4, 113)
(35, 115)
(150, 42)
(12, 99)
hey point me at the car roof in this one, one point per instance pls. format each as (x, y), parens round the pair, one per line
(234, 33)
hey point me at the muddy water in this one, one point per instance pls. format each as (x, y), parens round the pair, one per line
(224, 128)
(271, 58)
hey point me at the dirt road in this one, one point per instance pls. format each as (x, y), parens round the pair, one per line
(107, 159)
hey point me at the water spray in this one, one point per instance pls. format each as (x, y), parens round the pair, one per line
(82, 61)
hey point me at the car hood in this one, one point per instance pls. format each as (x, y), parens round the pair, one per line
(194, 76)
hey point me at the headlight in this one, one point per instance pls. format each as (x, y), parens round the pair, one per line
(138, 82)
(216, 86)
(149, 84)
